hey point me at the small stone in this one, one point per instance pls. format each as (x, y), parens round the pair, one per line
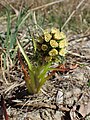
(59, 98)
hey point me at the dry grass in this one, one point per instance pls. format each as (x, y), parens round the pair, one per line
(73, 14)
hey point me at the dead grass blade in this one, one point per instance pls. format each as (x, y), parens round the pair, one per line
(77, 7)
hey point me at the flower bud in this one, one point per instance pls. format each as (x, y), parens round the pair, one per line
(53, 52)
(47, 37)
(59, 35)
(54, 30)
(44, 47)
(48, 58)
(63, 43)
(62, 52)
(53, 43)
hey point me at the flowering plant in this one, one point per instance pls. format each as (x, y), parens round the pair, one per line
(50, 47)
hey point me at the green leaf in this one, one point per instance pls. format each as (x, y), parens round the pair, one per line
(8, 29)
(25, 56)
(14, 35)
(34, 44)
(44, 70)
(32, 80)
(89, 83)
(24, 18)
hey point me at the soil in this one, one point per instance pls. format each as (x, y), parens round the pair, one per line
(66, 96)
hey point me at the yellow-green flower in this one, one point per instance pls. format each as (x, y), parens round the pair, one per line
(48, 58)
(62, 35)
(47, 37)
(46, 31)
(54, 30)
(59, 35)
(44, 47)
(53, 52)
(53, 43)
(40, 39)
(63, 43)
(62, 52)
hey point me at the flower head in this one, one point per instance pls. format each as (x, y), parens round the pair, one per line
(53, 43)
(48, 58)
(46, 31)
(54, 30)
(47, 37)
(59, 35)
(40, 39)
(53, 52)
(63, 43)
(62, 52)
(44, 47)
(62, 35)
